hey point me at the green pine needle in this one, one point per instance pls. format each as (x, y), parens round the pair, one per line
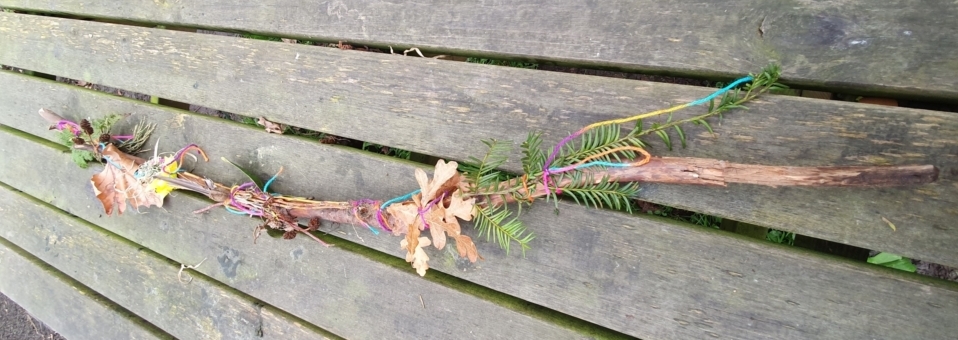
(605, 194)
(499, 224)
(481, 173)
(534, 159)
(600, 140)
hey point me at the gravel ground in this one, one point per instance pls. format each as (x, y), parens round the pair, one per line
(17, 324)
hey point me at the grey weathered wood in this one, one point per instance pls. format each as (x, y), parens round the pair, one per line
(891, 48)
(444, 109)
(74, 311)
(139, 280)
(340, 291)
(645, 277)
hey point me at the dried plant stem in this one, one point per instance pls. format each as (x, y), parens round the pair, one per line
(713, 172)
(672, 170)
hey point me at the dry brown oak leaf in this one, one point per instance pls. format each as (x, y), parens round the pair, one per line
(418, 258)
(440, 217)
(116, 185)
(270, 126)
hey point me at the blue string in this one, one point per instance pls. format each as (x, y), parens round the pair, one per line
(720, 92)
(107, 158)
(597, 163)
(400, 198)
(372, 229)
(270, 181)
(234, 211)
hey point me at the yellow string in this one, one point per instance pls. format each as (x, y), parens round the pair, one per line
(634, 118)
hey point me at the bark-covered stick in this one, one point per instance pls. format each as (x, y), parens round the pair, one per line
(671, 170)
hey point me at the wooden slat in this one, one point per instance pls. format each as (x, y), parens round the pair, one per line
(138, 279)
(74, 311)
(342, 292)
(645, 277)
(444, 109)
(890, 48)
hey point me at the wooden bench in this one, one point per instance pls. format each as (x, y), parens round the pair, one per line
(589, 272)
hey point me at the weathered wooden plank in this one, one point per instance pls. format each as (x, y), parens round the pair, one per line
(74, 311)
(890, 48)
(138, 279)
(443, 109)
(645, 277)
(342, 292)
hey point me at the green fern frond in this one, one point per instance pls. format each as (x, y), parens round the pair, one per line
(499, 224)
(585, 191)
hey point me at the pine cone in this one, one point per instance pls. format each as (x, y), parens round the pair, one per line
(78, 141)
(104, 138)
(85, 125)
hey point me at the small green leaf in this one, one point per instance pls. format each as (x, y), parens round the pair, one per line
(893, 261)
(259, 183)
(883, 258)
(903, 264)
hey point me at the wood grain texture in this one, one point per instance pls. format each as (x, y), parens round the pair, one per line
(139, 280)
(339, 291)
(74, 311)
(704, 171)
(443, 109)
(890, 48)
(645, 277)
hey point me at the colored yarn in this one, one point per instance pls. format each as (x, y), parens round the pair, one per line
(379, 212)
(270, 181)
(110, 161)
(548, 170)
(236, 205)
(74, 127)
(356, 205)
(422, 212)
(179, 154)
(398, 199)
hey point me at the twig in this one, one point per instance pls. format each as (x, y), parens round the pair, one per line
(422, 302)
(413, 49)
(200, 211)
(179, 275)
(35, 329)
(357, 233)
